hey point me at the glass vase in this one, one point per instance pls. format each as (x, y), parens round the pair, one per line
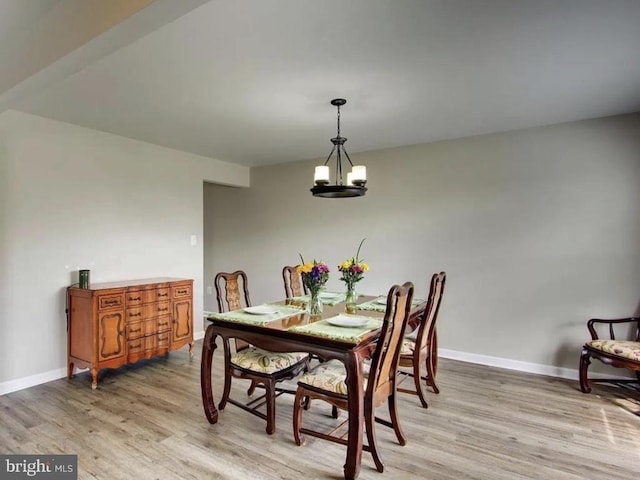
(351, 300)
(315, 304)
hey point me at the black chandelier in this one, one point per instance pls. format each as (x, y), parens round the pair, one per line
(356, 178)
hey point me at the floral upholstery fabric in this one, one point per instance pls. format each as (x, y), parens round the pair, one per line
(330, 376)
(408, 346)
(621, 348)
(263, 361)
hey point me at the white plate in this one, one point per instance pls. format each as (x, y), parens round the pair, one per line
(329, 295)
(381, 300)
(261, 310)
(344, 321)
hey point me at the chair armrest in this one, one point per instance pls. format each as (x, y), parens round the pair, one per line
(591, 325)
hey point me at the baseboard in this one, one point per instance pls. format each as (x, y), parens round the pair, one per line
(33, 380)
(539, 369)
(536, 368)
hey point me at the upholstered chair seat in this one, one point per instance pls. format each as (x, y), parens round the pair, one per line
(263, 361)
(622, 348)
(330, 376)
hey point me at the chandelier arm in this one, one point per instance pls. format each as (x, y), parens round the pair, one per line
(329, 157)
(347, 155)
(338, 167)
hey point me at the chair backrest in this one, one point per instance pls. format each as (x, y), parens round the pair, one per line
(384, 363)
(293, 286)
(232, 291)
(427, 326)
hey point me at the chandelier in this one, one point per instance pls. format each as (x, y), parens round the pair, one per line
(354, 186)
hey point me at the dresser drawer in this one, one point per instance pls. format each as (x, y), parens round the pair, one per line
(142, 329)
(164, 340)
(111, 300)
(146, 312)
(134, 298)
(163, 324)
(181, 291)
(142, 344)
(156, 295)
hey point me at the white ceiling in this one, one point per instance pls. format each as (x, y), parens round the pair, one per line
(249, 81)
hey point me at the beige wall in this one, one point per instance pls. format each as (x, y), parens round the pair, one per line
(74, 198)
(538, 230)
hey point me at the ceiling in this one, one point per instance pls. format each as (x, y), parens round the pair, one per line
(250, 81)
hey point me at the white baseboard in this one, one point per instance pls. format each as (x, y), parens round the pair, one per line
(539, 369)
(33, 380)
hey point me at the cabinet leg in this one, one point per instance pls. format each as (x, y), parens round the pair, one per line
(94, 378)
(70, 370)
(191, 349)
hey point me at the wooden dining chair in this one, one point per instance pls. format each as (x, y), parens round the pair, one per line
(420, 348)
(262, 367)
(293, 285)
(327, 381)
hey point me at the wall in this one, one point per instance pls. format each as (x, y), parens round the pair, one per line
(75, 198)
(537, 229)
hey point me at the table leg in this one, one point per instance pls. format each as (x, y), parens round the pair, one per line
(353, 365)
(208, 347)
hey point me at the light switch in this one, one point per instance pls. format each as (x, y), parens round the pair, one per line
(194, 240)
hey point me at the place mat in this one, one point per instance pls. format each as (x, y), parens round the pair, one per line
(346, 334)
(240, 316)
(339, 297)
(374, 306)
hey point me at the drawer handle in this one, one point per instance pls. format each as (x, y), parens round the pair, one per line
(165, 309)
(136, 299)
(137, 345)
(111, 302)
(181, 292)
(136, 330)
(162, 324)
(135, 314)
(163, 294)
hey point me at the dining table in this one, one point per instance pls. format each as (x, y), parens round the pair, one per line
(287, 326)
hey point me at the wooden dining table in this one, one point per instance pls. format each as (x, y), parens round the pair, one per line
(294, 330)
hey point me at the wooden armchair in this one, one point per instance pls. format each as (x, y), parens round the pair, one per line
(422, 348)
(327, 381)
(293, 285)
(260, 366)
(611, 351)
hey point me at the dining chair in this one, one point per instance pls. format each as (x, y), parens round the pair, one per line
(327, 381)
(262, 367)
(293, 285)
(420, 347)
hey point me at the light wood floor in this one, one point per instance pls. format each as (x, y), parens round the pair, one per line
(146, 422)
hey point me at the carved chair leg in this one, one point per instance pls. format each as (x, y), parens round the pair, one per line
(225, 391)
(369, 420)
(395, 420)
(417, 380)
(252, 388)
(227, 374)
(432, 365)
(584, 367)
(270, 397)
(300, 402)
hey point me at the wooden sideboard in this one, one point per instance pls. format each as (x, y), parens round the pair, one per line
(112, 324)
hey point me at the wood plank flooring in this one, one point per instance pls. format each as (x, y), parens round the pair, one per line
(146, 422)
